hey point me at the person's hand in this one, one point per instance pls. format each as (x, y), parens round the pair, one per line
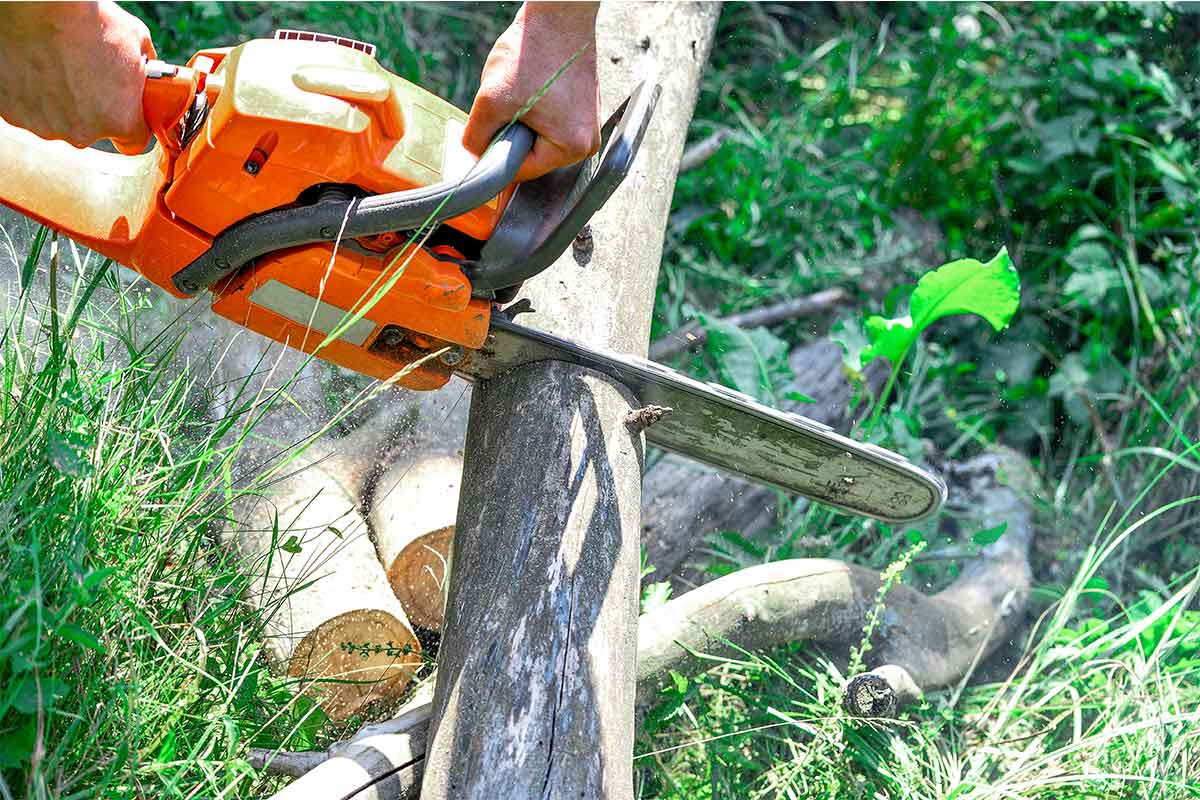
(74, 71)
(542, 38)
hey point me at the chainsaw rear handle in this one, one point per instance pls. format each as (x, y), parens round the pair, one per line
(545, 215)
(336, 214)
(100, 198)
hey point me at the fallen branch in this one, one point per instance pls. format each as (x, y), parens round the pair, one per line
(938, 639)
(880, 692)
(925, 642)
(695, 155)
(693, 335)
(384, 761)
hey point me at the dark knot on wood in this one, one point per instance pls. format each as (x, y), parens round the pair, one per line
(583, 246)
(641, 418)
(869, 695)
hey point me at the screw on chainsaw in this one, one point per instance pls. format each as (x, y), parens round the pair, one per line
(452, 356)
(392, 337)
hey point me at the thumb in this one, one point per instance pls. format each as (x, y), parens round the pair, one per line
(484, 122)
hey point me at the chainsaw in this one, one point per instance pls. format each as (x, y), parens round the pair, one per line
(329, 205)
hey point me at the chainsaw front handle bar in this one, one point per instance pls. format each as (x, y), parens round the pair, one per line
(545, 215)
(540, 222)
(350, 217)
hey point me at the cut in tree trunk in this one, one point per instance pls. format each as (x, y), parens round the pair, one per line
(535, 678)
(676, 510)
(412, 516)
(924, 642)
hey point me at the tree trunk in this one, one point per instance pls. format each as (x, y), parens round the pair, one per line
(535, 687)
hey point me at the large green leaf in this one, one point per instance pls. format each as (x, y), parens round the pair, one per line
(752, 361)
(990, 290)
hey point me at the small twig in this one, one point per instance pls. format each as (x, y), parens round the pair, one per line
(639, 419)
(285, 762)
(701, 151)
(693, 335)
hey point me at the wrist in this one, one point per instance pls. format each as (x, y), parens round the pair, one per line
(562, 18)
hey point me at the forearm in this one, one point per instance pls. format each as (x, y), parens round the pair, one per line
(572, 18)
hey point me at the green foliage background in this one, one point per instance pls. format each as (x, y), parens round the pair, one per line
(866, 145)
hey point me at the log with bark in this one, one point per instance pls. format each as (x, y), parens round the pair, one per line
(923, 643)
(936, 639)
(330, 605)
(299, 530)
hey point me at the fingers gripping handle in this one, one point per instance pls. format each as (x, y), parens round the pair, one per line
(544, 215)
(101, 199)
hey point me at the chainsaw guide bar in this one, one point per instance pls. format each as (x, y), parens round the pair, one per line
(728, 430)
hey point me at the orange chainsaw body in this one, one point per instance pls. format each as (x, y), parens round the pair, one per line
(282, 117)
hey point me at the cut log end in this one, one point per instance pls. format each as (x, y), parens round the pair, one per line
(355, 659)
(869, 695)
(417, 576)
(880, 693)
(413, 518)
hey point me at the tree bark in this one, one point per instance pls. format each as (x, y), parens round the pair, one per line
(535, 680)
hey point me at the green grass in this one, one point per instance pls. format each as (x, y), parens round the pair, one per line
(129, 665)
(868, 144)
